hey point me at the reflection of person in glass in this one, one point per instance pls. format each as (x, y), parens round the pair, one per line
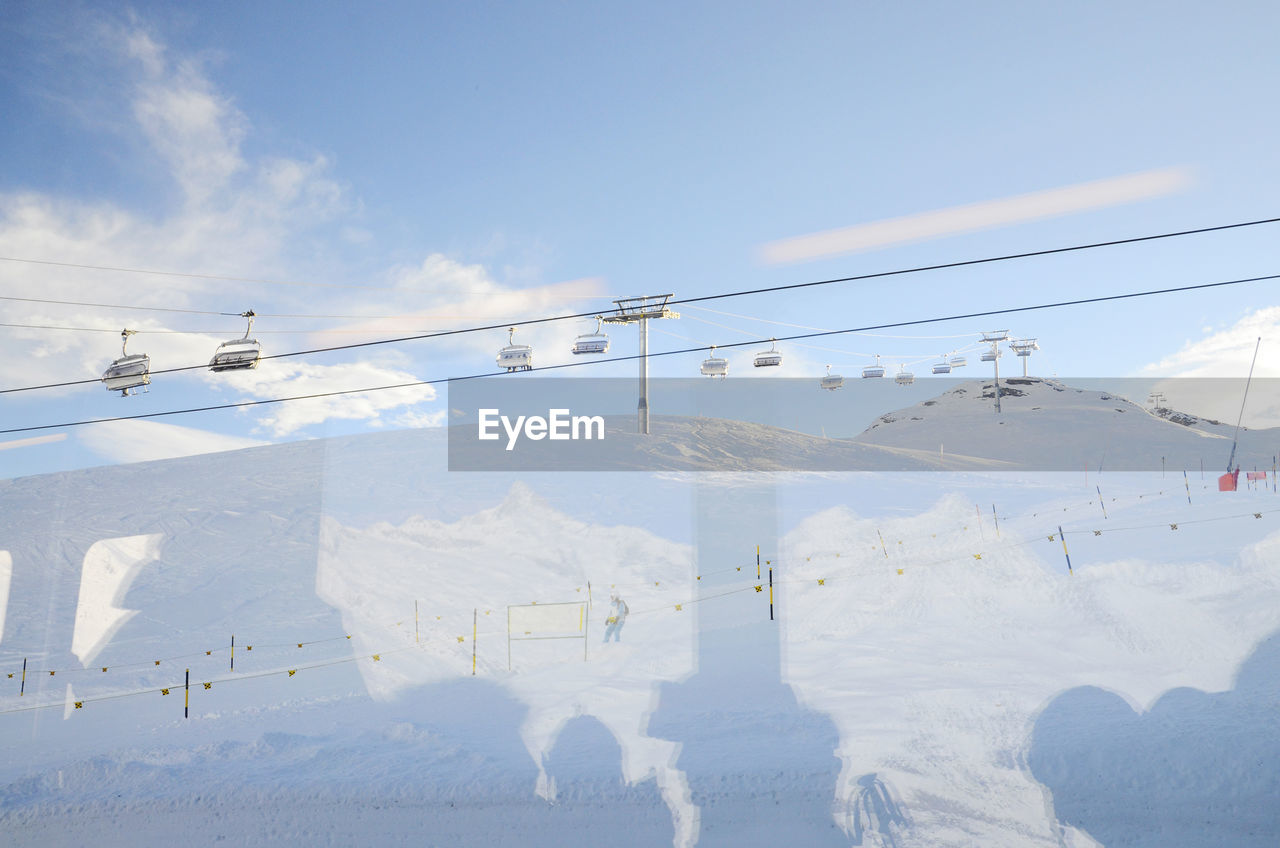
(617, 617)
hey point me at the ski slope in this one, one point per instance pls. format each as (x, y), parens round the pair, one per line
(932, 674)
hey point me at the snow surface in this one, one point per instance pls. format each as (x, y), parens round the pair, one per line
(932, 674)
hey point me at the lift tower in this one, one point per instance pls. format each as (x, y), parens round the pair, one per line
(993, 356)
(638, 310)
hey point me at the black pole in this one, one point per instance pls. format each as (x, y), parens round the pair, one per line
(186, 695)
(771, 593)
(23, 690)
(233, 652)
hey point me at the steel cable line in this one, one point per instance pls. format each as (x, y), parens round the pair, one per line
(741, 293)
(891, 325)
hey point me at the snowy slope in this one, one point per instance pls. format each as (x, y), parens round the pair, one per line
(1048, 425)
(928, 678)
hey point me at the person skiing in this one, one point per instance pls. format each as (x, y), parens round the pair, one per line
(617, 617)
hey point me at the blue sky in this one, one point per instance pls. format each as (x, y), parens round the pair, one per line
(466, 164)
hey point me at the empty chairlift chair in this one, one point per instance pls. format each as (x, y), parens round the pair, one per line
(238, 354)
(515, 357)
(770, 357)
(943, 367)
(715, 366)
(130, 371)
(876, 370)
(958, 362)
(904, 377)
(596, 342)
(831, 381)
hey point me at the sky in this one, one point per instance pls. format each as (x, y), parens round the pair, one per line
(361, 173)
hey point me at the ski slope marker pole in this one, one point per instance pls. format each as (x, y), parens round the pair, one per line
(1186, 483)
(23, 690)
(1063, 537)
(1100, 502)
(995, 518)
(771, 593)
(186, 696)
(475, 617)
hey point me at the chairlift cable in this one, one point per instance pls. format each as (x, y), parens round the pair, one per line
(437, 381)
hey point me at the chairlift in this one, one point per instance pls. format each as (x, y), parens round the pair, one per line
(130, 371)
(596, 342)
(958, 362)
(990, 355)
(770, 357)
(715, 366)
(238, 354)
(515, 357)
(904, 377)
(876, 370)
(831, 381)
(943, 367)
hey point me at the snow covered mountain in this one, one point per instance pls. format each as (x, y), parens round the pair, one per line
(1048, 425)
(908, 660)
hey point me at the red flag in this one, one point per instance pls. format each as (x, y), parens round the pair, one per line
(1227, 482)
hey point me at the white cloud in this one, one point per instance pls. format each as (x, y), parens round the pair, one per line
(978, 216)
(1221, 360)
(141, 441)
(239, 216)
(287, 378)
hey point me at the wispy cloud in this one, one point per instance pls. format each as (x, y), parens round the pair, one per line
(12, 444)
(973, 217)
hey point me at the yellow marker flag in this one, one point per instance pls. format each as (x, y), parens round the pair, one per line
(977, 556)
(377, 657)
(1097, 532)
(461, 639)
(52, 673)
(299, 644)
(679, 607)
(899, 570)
(79, 705)
(348, 635)
(1173, 527)
(208, 685)
(208, 653)
(164, 691)
(157, 662)
(759, 588)
(104, 668)
(822, 581)
(249, 648)
(292, 672)
(10, 675)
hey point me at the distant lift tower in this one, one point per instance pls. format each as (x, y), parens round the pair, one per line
(1023, 348)
(993, 356)
(638, 310)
